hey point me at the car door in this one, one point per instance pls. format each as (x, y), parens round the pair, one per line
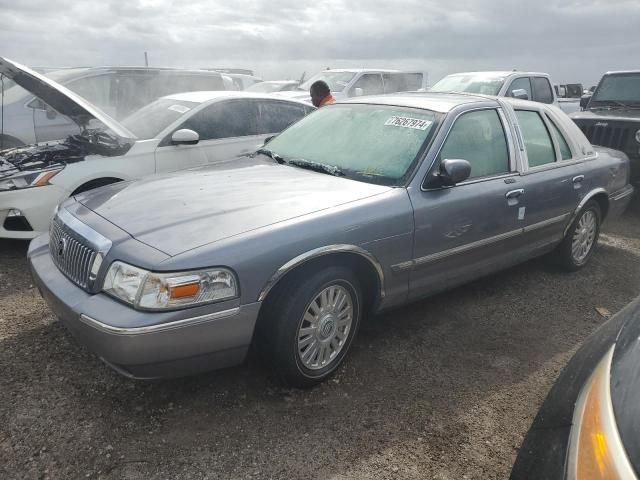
(275, 116)
(553, 182)
(472, 228)
(227, 129)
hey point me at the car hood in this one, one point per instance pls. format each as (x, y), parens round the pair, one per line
(185, 210)
(61, 99)
(601, 115)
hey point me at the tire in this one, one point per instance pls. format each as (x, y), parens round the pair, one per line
(287, 322)
(583, 231)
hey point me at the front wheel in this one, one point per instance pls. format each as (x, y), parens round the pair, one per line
(579, 243)
(310, 326)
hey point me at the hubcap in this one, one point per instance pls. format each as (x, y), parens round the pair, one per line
(584, 236)
(325, 327)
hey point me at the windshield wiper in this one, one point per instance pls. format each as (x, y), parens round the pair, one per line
(317, 167)
(271, 154)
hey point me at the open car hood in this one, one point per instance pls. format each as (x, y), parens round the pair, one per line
(61, 99)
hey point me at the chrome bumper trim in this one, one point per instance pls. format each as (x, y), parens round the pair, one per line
(162, 327)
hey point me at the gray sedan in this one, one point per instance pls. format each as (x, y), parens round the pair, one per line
(360, 207)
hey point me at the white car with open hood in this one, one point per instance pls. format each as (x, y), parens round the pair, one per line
(175, 132)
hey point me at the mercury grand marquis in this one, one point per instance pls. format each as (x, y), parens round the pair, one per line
(359, 207)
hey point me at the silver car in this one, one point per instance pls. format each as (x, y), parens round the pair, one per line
(357, 208)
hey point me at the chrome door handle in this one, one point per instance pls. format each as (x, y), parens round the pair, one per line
(578, 178)
(514, 193)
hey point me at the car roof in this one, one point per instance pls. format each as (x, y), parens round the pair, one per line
(279, 82)
(500, 73)
(435, 101)
(206, 96)
(621, 71)
(358, 70)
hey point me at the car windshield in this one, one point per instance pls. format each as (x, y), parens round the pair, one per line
(483, 84)
(149, 121)
(370, 143)
(265, 87)
(337, 81)
(618, 89)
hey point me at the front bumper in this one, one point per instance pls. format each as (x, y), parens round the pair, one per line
(145, 344)
(36, 204)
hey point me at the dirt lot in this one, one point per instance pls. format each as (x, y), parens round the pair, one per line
(441, 389)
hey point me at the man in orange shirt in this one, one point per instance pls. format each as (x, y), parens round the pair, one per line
(321, 94)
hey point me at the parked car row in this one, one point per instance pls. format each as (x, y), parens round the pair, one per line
(116, 91)
(172, 133)
(356, 208)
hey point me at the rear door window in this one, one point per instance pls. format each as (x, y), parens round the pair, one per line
(276, 116)
(522, 83)
(479, 138)
(235, 118)
(565, 151)
(542, 90)
(537, 139)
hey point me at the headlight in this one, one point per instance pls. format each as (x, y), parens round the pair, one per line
(638, 136)
(165, 291)
(596, 451)
(28, 179)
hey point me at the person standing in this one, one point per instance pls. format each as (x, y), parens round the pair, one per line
(321, 94)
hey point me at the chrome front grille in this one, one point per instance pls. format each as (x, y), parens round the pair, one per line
(71, 254)
(612, 137)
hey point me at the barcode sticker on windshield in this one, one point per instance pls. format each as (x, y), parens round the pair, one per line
(179, 108)
(407, 122)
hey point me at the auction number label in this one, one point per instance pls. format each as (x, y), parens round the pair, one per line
(408, 122)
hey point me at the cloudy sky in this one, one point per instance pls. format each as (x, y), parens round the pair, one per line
(572, 40)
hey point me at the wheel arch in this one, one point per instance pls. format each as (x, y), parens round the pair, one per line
(367, 267)
(599, 195)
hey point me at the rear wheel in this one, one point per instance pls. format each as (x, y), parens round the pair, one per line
(308, 328)
(581, 239)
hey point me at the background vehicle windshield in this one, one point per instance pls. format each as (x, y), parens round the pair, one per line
(622, 88)
(149, 121)
(337, 81)
(370, 143)
(483, 84)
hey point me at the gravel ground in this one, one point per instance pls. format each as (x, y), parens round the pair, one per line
(442, 389)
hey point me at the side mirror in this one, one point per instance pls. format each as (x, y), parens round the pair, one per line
(454, 171)
(51, 113)
(584, 101)
(520, 93)
(184, 136)
(358, 92)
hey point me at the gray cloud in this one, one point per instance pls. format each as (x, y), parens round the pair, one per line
(572, 40)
